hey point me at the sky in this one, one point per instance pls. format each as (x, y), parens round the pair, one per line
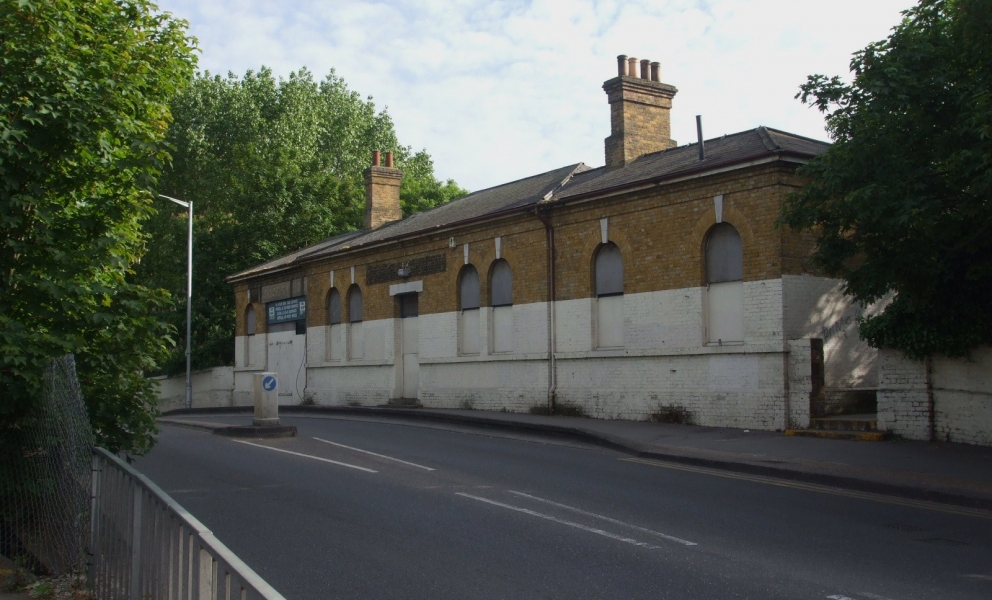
(500, 90)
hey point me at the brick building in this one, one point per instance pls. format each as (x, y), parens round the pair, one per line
(656, 284)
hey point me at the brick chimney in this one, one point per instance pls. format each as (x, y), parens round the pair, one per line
(639, 112)
(382, 192)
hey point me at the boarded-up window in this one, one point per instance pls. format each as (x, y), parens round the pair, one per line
(469, 288)
(357, 341)
(724, 255)
(250, 320)
(609, 296)
(501, 285)
(609, 271)
(355, 304)
(333, 308)
(468, 299)
(725, 285)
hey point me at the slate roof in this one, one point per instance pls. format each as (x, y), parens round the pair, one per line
(563, 184)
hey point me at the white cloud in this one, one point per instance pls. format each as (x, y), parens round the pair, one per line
(496, 91)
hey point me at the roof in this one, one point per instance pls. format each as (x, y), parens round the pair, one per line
(560, 185)
(729, 149)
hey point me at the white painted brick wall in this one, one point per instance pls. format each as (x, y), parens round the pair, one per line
(438, 336)
(902, 396)
(664, 362)
(763, 312)
(513, 385)
(211, 387)
(800, 382)
(719, 390)
(817, 307)
(353, 385)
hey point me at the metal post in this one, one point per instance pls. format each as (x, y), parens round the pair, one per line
(189, 304)
(189, 292)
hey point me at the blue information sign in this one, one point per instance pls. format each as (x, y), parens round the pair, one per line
(284, 311)
(269, 383)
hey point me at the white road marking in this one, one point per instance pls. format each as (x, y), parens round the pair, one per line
(374, 454)
(608, 519)
(327, 460)
(533, 513)
(874, 596)
(839, 597)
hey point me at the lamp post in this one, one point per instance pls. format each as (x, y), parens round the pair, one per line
(189, 291)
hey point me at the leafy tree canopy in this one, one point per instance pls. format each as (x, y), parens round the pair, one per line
(902, 201)
(271, 166)
(84, 92)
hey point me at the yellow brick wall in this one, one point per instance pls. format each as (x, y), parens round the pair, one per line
(660, 231)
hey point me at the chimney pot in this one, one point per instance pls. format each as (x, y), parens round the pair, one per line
(646, 69)
(622, 65)
(375, 158)
(631, 67)
(656, 71)
(389, 160)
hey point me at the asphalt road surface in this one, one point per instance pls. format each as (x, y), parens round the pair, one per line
(364, 509)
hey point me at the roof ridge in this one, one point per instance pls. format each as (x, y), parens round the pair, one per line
(766, 138)
(795, 135)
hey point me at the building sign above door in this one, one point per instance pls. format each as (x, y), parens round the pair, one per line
(284, 311)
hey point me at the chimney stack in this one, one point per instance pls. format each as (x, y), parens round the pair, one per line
(382, 192)
(639, 112)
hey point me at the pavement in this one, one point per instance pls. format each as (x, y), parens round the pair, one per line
(947, 473)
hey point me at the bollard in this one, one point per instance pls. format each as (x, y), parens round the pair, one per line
(266, 395)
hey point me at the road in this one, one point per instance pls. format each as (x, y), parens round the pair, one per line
(441, 513)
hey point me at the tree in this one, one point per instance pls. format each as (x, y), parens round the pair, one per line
(84, 92)
(271, 166)
(902, 201)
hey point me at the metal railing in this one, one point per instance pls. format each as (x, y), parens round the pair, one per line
(145, 545)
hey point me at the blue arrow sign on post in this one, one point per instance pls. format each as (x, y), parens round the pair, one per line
(268, 383)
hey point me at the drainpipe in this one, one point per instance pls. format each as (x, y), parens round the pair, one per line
(552, 370)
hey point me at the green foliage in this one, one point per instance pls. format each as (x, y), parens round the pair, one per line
(271, 166)
(901, 201)
(84, 91)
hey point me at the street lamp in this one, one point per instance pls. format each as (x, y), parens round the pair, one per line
(189, 291)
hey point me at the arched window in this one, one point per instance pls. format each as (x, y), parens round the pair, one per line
(355, 318)
(609, 296)
(250, 320)
(335, 345)
(501, 299)
(468, 301)
(725, 284)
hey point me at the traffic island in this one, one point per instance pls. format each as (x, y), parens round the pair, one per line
(265, 423)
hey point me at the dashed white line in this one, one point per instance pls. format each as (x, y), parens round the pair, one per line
(534, 513)
(839, 597)
(373, 454)
(327, 460)
(670, 538)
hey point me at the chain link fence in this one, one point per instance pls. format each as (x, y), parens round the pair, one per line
(45, 479)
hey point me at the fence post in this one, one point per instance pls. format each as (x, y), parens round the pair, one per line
(94, 504)
(135, 587)
(206, 576)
